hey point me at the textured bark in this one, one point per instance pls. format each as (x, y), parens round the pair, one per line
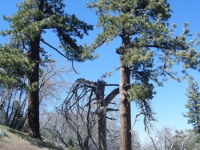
(33, 97)
(33, 78)
(125, 110)
(125, 114)
(102, 131)
(101, 115)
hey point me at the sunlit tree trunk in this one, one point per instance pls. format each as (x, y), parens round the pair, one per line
(125, 118)
(125, 110)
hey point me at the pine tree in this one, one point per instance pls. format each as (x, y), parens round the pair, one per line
(193, 104)
(147, 52)
(13, 66)
(32, 19)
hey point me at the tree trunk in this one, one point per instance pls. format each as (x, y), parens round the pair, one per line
(33, 78)
(33, 96)
(125, 111)
(101, 115)
(102, 131)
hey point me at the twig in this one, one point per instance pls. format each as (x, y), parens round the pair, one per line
(109, 73)
(47, 122)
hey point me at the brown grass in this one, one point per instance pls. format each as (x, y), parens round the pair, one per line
(11, 139)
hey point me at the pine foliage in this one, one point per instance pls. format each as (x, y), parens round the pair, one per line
(148, 52)
(193, 104)
(27, 26)
(35, 17)
(32, 19)
(13, 66)
(153, 47)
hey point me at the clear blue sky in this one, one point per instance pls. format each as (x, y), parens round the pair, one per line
(169, 102)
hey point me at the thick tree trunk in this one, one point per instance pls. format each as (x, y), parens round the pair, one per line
(102, 131)
(125, 111)
(33, 97)
(101, 115)
(33, 78)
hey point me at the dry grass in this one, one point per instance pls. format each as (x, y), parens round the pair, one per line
(14, 140)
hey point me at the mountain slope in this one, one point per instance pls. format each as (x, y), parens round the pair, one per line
(11, 139)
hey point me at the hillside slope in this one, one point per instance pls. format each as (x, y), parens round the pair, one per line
(11, 139)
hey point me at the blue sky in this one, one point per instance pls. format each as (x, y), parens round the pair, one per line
(169, 102)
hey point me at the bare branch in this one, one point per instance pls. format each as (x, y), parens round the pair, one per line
(111, 109)
(147, 112)
(43, 41)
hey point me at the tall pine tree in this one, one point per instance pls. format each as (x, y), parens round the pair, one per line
(193, 104)
(32, 19)
(147, 52)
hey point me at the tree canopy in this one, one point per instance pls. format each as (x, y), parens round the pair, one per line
(27, 25)
(148, 51)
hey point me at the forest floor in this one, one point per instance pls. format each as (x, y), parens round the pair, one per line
(11, 139)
